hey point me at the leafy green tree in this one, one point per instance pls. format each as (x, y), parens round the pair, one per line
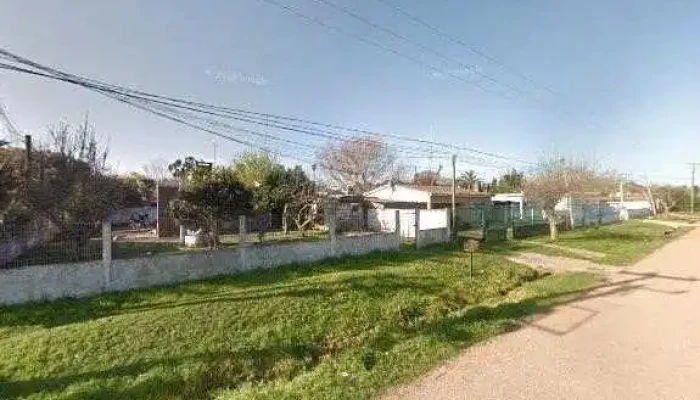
(208, 197)
(468, 179)
(8, 181)
(138, 189)
(288, 192)
(253, 169)
(187, 168)
(511, 182)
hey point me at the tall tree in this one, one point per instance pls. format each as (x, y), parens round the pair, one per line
(252, 169)
(669, 197)
(139, 188)
(511, 182)
(188, 169)
(468, 179)
(208, 197)
(427, 177)
(8, 182)
(69, 181)
(358, 164)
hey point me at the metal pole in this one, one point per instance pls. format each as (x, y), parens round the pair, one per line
(692, 188)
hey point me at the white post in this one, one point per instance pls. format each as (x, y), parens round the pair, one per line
(397, 226)
(243, 242)
(107, 251)
(416, 228)
(242, 231)
(448, 223)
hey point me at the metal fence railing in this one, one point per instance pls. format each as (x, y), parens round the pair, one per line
(497, 216)
(44, 242)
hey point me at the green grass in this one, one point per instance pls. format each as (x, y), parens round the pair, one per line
(623, 244)
(344, 329)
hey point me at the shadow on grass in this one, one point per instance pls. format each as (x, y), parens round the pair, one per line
(203, 374)
(198, 376)
(243, 287)
(511, 316)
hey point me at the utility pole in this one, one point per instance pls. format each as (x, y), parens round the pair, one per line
(28, 162)
(692, 187)
(454, 192)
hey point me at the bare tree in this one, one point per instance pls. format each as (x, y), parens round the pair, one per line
(558, 179)
(157, 170)
(358, 164)
(427, 177)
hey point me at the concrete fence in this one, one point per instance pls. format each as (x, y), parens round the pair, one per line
(73, 280)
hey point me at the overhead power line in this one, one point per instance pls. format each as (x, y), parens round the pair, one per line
(421, 46)
(475, 50)
(471, 48)
(563, 112)
(378, 45)
(263, 119)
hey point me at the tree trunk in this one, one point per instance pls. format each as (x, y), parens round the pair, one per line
(553, 230)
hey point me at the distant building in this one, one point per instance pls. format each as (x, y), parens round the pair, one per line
(405, 196)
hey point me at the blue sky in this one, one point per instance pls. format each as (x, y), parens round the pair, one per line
(626, 71)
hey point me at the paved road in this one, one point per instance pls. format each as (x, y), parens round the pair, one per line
(637, 338)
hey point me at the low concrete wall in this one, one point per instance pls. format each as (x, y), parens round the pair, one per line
(50, 282)
(429, 237)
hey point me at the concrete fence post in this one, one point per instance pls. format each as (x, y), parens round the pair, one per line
(107, 251)
(448, 224)
(416, 228)
(397, 226)
(243, 242)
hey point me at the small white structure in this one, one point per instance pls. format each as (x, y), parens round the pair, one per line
(514, 198)
(580, 213)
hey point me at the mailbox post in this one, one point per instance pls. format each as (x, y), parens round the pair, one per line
(471, 245)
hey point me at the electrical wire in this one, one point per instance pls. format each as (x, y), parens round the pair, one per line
(236, 113)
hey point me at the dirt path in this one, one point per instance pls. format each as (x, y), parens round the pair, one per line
(636, 338)
(559, 264)
(593, 255)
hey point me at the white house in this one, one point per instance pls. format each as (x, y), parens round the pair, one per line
(404, 196)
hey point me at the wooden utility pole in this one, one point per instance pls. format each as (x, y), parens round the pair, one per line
(454, 192)
(692, 187)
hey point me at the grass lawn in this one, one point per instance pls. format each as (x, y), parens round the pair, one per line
(623, 244)
(342, 329)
